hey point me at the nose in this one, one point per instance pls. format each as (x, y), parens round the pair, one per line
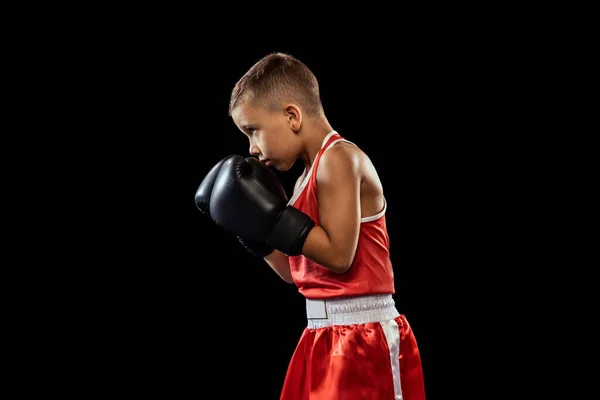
(254, 150)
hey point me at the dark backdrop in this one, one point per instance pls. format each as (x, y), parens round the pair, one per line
(177, 305)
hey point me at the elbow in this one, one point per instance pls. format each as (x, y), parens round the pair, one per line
(339, 269)
(341, 266)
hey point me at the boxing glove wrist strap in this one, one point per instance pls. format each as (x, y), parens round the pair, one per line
(290, 231)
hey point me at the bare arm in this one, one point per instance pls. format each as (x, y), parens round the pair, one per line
(333, 243)
(280, 264)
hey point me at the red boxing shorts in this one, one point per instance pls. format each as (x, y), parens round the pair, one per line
(356, 348)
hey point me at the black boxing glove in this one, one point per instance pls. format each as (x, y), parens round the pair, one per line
(204, 191)
(202, 199)
(245, 197)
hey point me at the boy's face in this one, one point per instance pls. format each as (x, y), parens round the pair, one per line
(270, 134)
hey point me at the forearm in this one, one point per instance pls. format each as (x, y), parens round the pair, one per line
(319, 248)
(280, 264)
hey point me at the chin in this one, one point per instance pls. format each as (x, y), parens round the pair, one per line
(282, 167)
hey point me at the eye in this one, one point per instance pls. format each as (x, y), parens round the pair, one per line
(251, 131)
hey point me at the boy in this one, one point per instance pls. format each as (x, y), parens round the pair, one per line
(329, 239)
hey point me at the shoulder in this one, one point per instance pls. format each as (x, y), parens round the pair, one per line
(341, 158)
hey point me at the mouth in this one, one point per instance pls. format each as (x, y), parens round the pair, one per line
(266, 161)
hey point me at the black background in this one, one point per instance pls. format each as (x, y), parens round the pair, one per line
(220, 312)
(168, 303)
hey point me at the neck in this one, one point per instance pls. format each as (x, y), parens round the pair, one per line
(315, 133)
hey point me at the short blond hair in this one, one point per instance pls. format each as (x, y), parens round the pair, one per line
(275, 79)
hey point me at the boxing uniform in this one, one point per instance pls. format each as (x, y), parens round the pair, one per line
(356, 344)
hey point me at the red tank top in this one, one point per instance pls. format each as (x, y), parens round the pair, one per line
(371, 270)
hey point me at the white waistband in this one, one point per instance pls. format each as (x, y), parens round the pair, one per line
(350, 310)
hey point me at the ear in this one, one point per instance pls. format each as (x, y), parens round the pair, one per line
(294, 116)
